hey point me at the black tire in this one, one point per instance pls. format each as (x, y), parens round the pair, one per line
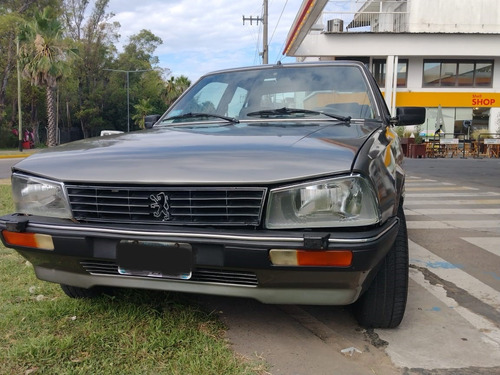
(383, 303)
(77, 292)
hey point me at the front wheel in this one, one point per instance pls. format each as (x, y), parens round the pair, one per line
(383, 303)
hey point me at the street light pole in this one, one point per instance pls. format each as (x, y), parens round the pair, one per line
(127, 72)
(128, 102)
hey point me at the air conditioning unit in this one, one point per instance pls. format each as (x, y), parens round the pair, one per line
(335, 26)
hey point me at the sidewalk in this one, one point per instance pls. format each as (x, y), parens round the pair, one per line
(14, 153)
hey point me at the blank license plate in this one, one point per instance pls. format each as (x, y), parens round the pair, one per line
(155, 259)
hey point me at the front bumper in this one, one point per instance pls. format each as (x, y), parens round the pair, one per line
(225, 262)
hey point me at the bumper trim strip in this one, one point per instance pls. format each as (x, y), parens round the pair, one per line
(207, 236)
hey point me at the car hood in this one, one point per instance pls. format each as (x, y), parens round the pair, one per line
(244, 153)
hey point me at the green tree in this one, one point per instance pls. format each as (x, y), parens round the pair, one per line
(142, 109)
(88, 92)
(145, 81)
(175, 86)
(12, 14)
(46, 58)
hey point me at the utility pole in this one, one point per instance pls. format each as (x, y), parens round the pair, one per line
(264, 20)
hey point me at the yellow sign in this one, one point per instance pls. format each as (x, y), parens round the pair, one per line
(447, 99)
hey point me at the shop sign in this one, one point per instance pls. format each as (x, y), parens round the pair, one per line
(479, 101)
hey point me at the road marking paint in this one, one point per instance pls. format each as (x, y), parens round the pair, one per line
(443, 335)
(422, 257)
(425, 184)
(490, 330)
(491, 244)
(454, 224)
(456, 202)
(454, 211)
(444, 195)
(420, 179)
(440, 188)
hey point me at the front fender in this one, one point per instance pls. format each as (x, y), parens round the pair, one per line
(381, 159)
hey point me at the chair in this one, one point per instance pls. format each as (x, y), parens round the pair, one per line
(429, 150)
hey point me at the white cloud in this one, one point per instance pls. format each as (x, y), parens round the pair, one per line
(200, 36)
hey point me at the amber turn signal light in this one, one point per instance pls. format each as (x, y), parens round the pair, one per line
(34, 240)
(319, 258)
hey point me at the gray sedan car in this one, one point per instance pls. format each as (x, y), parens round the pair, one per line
(281, 183)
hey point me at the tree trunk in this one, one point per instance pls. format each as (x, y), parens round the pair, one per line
(51, 117)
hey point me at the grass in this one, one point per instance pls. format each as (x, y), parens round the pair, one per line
(133, 332)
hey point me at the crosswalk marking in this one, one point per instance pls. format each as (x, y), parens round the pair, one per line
(491, 244)
(453, 211)
(460, 224)
(455, 302)
(440, 188)
(420, 256)
(448, 202)
(444, 195)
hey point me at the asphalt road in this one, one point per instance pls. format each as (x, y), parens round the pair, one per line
(5, 167)
(478, 172)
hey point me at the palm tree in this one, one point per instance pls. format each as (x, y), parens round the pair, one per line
(142, 109)
(175, 87)
(45, 55)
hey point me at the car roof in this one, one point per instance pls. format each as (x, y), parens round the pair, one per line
(290, 65)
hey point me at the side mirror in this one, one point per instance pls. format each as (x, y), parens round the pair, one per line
(150, 120)
(410, 116)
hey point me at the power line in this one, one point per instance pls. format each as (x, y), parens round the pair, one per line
(277, 23)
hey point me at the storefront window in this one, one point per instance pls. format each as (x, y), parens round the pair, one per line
(458, 73)
(457, 122)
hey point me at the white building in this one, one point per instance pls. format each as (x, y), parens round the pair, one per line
(441, 54)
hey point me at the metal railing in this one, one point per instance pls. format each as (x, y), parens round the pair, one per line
(363, 16)
(354, 16)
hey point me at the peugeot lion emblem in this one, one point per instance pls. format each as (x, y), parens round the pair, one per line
(160, 204)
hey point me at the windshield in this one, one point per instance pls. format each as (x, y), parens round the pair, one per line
(311, 91)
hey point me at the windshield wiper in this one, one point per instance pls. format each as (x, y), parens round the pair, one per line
(201, 114)
(293, 111)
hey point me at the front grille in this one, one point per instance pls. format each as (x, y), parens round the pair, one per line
(207, 275)
(167, 205)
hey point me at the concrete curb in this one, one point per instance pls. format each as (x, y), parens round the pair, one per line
(15, 154)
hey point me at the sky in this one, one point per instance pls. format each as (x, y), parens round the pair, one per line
(200, 36)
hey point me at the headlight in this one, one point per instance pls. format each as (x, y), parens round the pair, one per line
(38, 196)
(338, 202)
